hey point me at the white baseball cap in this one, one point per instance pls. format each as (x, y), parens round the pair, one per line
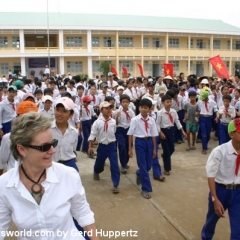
(104, 104)
(47, 97)
(204, 81)
(66, 102)
(120, 88)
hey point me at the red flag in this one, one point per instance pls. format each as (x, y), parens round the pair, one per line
(219, 66)
(125, 71)
(140, 69)
(113, 70)
(168, 69)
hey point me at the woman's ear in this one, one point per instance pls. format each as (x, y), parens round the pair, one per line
(21, 150)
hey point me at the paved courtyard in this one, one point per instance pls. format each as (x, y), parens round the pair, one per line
(176, 211)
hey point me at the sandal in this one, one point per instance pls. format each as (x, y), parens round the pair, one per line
(188, 148)
(193, 148)
(146, 195)
(166, 173)
(204, 152)
(161, 179)
(115, 190)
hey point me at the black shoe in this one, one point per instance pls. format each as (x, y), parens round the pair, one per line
(96, 176)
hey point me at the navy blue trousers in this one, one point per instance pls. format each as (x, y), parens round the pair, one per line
(104, 152)
(215, 125)
(79, 144)
(230, 200)
(223, 135)
(156, 168)
(72, 163)
(86, 128)
(144, 151)
(206, 127)
(178, 133)
(122, 141)
(6, 128)
(168, 147)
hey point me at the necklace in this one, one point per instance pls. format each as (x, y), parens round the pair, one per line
(36, 193)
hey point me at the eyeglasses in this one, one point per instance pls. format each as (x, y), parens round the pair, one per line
(45, 147)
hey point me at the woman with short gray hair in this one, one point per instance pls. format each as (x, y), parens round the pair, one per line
(39, 195)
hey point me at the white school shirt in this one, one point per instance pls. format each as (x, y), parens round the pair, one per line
(177, 104)
(110, 84)
(135, 92)
(143, 90)
(75, 118)
(97, 131)
(49, 113)
(102, 96)
(122, 119)
(28, 88)
(117, 101)
(130, 93)
(235, 103)
(19, 97)
(73, 92)
(17, 203)
(67, 143)
(163, 120)
(78, 100)
(231, 111)
(137, 127)
(157, 86)
(83, 113)
(212, 107)
(7, 111)
(97, 100)
(221, 164)
(6, 156)
(56, 94)
(131, 106)
(153, 97)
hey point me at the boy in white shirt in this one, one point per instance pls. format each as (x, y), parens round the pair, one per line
(103, 130)
(47, 109)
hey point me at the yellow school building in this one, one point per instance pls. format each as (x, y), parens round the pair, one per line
(78, 43)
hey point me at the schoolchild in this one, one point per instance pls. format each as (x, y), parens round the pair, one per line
(144, 129)
(48, 108)
(123, 119)
(103, 130)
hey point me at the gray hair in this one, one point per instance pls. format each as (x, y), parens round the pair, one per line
(25, 128)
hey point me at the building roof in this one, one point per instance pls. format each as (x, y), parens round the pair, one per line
(82, 21)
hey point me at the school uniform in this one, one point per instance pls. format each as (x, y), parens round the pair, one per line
(66, 147)
(121, 135)
(153, 97)
(137, 93)
(86, 114)
(102, 96)
(223, 123)
(49, 113)
(7, 114)
(156, 168)
(205, 120)
(143, 130)
(104, 132)
(165, 124)
(130, 93)
(78, 100)
(72, 91)
(95, 102)
(178, 107)
(222, 165)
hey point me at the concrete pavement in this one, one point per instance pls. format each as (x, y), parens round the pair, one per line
(176, 211)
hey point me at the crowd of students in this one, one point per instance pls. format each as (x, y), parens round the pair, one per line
(113, 113)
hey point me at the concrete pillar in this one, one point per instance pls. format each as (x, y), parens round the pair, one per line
(117, 54)
(61, 41)
(61, 65)
(23, 66)
(166, 41)
(231, 72)
(90, 72)
(22, 41)
(142, 57)
(89, 40)
(211, 54)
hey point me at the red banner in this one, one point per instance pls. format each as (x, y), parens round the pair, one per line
(113, 70)
(125, 71)
(168, 69)
(219, 66)
(140, 69)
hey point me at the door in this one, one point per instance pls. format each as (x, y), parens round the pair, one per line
(199, 69)
(155, 69)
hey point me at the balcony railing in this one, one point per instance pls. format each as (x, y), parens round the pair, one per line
(41, 49)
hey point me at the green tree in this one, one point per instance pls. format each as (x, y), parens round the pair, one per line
(105, 67)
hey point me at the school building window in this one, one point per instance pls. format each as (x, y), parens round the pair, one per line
(146, 66)
(216, 44)
(173, 42)
(200, 43)
(145, 42)
(75, 67)
(175, 65)
(127, 64)
(191, 42)
(15, 42)
(237, 45)
(192, 67)
(108, 42)
(95, 66)
(125, 42)
(74, 41)
(228, 44)
(3, 42)
(156, 43)
(95, 42)
(4, 68)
